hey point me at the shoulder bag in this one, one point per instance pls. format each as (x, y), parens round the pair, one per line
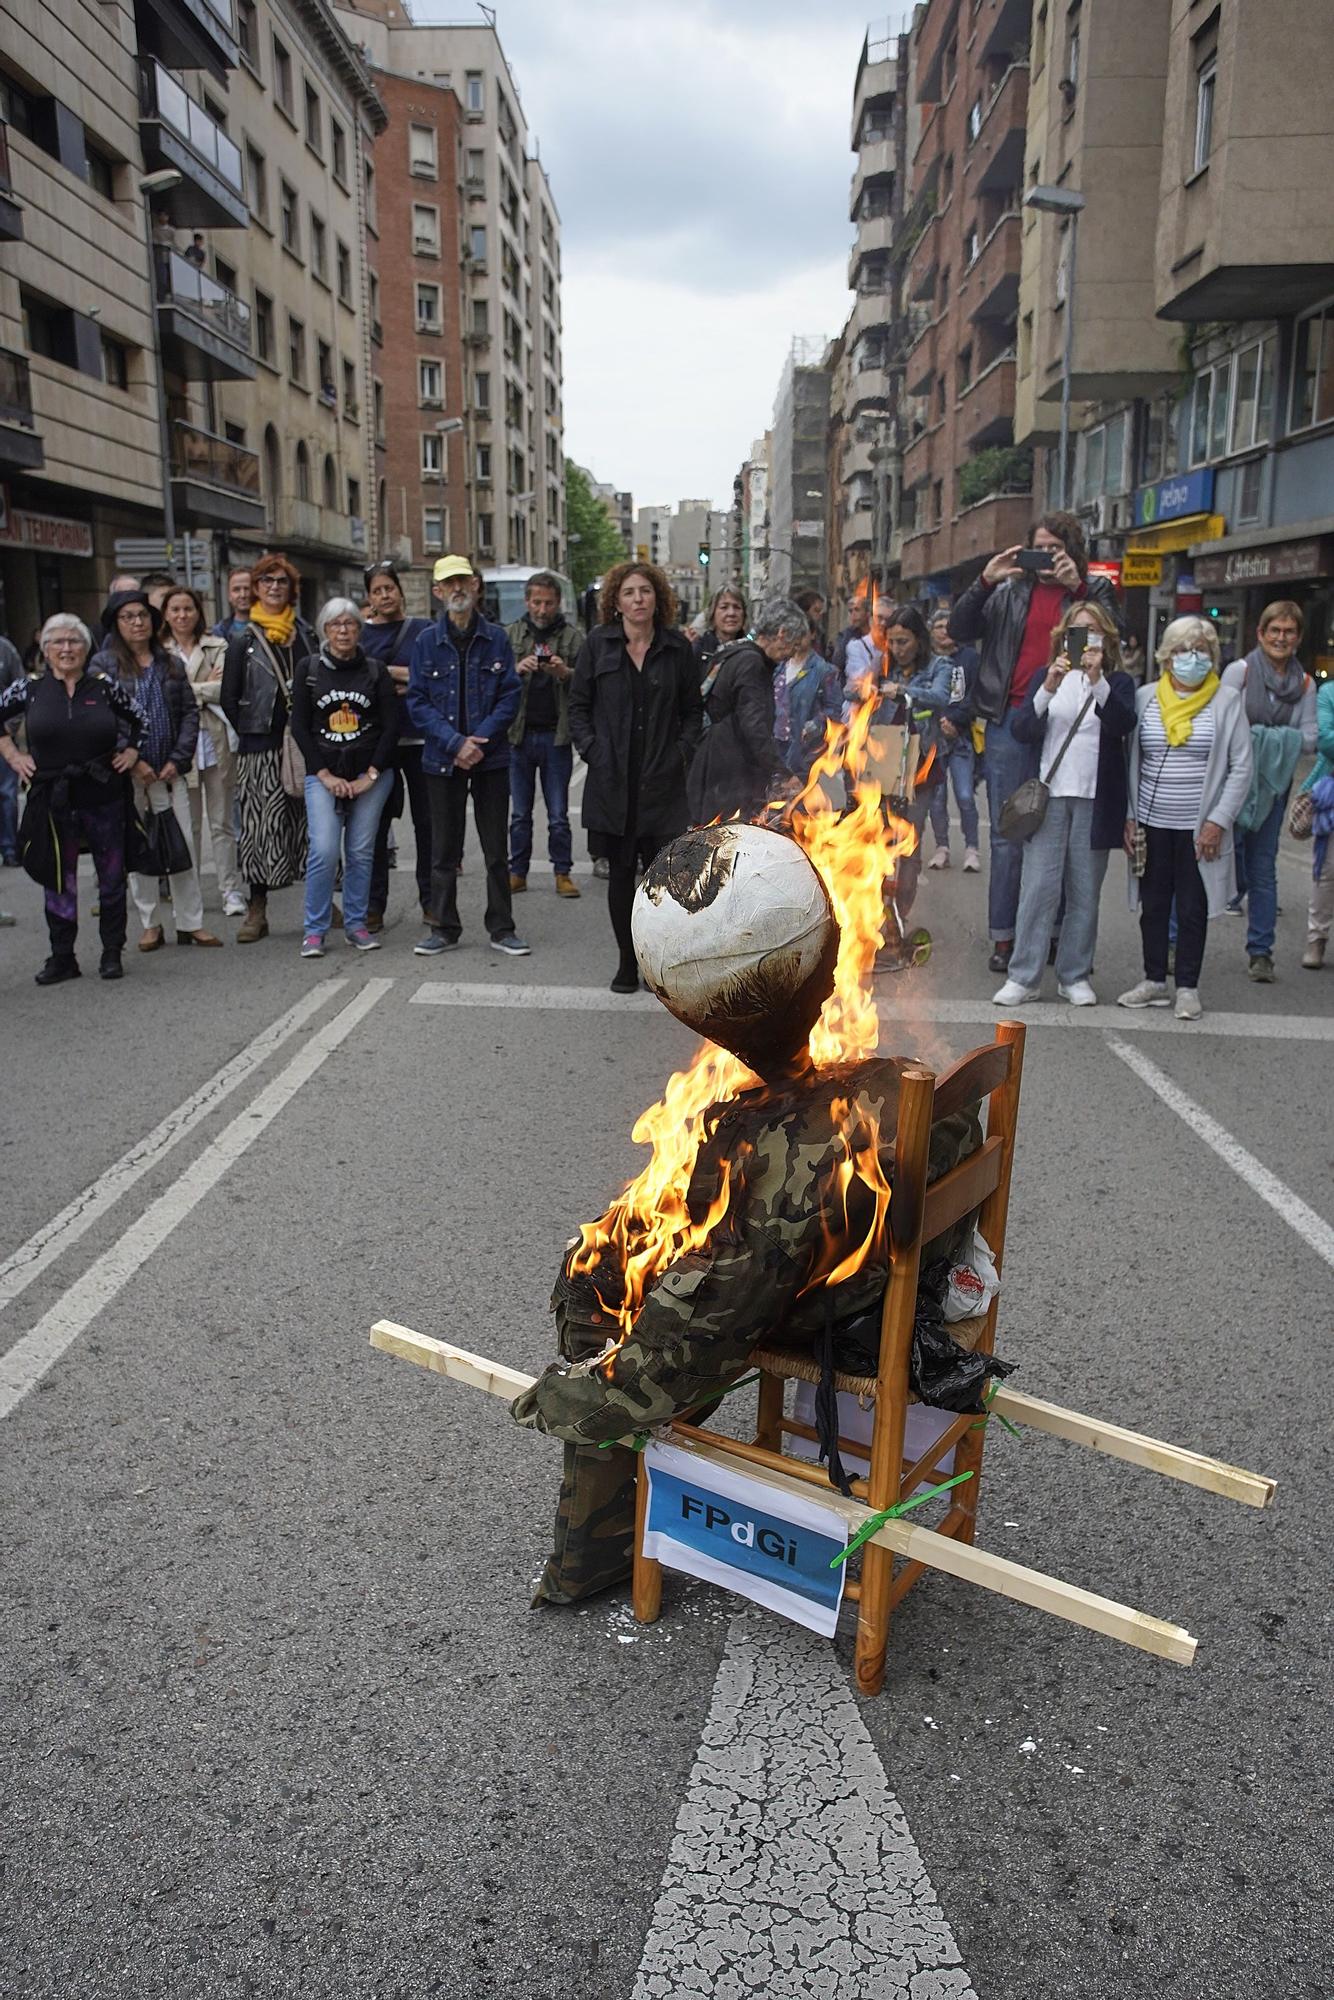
(1026, 808)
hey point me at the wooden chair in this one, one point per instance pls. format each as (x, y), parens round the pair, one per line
(917, 1214)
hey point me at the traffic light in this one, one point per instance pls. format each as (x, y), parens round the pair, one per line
(703, 555)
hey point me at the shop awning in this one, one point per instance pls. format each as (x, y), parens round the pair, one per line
(1174, 537)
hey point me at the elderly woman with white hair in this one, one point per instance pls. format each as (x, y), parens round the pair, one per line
(1190, 772)
(344, 720)
(83, 731)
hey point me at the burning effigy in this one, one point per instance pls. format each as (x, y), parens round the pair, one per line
(761, 1210)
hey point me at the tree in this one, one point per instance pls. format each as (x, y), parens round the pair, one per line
(592, 535)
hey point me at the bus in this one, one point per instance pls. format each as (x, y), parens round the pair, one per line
(504, 586)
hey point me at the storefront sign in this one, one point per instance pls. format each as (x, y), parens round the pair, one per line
(1140, 572)
(1280, 562)
(773, 1547)
(1168, 499)
(1176, 535)
(44, 534)
(1111, 570)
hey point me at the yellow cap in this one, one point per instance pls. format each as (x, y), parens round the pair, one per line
(452, 566)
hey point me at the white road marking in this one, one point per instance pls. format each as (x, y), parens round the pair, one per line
(20, 1268)
(30, 1357)
(792, 1873)
(1312, 1228)
(943, 1013)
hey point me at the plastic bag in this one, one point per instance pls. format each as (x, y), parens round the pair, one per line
(940, 1371)
(972, 1285)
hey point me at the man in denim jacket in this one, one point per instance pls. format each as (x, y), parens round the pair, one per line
(463, 694)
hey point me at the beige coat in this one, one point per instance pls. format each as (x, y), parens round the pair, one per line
(203, 664)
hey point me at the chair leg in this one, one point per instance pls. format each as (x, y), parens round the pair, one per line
(646, 1578)
(767, 1432)
(873, 1614)
(968, 1458)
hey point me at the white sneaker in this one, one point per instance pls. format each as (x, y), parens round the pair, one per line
(233, 904)
(971, 864)
(1012, 994)
(1079, 993)
(940, 859)
(1188, 1006)
(1147, 994)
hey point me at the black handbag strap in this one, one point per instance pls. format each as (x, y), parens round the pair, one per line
(1075, 727)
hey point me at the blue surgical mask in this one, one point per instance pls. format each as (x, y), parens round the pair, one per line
(1191, 669)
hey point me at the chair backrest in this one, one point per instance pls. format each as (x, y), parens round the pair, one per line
(919, 1214)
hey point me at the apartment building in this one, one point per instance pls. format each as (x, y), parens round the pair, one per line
(966, 488)
(507, 268)
(1202, 301)
(799, 470)
(753, 540)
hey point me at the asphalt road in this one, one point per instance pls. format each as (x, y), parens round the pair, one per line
(278, 1720)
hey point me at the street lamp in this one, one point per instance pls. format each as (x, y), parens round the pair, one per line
(150, 185)
(1068, 205)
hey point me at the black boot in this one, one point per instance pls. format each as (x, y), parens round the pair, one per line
(60, 966)
(627, 978)
(110, 966)
(1000, 955)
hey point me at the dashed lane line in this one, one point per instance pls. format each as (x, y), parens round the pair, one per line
(1289, 1206)
(792, 1872)
(943, 1013)
(38, 1350)
(20, 1268)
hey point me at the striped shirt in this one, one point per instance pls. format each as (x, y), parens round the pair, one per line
(1171, 778)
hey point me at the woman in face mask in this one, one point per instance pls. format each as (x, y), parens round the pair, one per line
(1190, 772)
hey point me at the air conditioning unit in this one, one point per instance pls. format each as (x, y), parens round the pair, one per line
(1120, 513)
(1093, 516)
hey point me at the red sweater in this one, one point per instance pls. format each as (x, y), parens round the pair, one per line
(1045, 607)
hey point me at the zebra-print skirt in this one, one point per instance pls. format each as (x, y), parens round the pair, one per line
(272, 846)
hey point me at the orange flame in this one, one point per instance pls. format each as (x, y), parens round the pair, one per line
(856, 851)
(924, 768)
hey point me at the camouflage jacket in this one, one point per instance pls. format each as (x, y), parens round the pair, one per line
(705, 1313)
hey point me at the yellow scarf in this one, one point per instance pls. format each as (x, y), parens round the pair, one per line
(1180, 710)
(277, 626)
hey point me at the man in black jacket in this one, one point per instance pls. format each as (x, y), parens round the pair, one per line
(1010, 613)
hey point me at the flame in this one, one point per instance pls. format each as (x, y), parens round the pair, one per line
(856, 852)
(924, 768)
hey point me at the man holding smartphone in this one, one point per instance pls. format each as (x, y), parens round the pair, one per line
(1010, 613)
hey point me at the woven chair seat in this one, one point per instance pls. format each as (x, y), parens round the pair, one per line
(792, 1366)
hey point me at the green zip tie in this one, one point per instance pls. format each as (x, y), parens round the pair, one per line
(635, 1442)
(877, 1521)
(1011, 1428)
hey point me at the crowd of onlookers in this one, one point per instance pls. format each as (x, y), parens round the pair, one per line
(299, 745)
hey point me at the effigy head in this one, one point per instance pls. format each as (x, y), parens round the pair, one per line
(735, 934)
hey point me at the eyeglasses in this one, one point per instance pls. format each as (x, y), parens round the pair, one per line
(63, 645)
(272, 583)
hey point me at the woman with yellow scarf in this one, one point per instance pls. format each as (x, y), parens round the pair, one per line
(1190, 772)
(264, 656)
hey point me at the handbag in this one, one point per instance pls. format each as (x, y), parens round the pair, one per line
(1026, 808)
(154, 843)
(1301, 816)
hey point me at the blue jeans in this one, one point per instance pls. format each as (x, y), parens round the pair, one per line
(9, 811)
(959, 773)
(347, 826)
(1059, 857)
(1009, 763)
(540, 756)
(1259, 850)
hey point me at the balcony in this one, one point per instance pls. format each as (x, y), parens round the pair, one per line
(214, 483)
(990, 287)
(11, 213)
(920, 456)
(920, 367)
(1009, 31)
(986, 406)
(995, 159)
(205, 328)
(924, 262)
(20, 446)
(873, 239)
(176, 132)
(304, 524)
(875, 162)
(868, 386)
(189, 34)
(997, 522)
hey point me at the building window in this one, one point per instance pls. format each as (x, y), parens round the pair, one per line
(474, 168)
(422, 151)
(329, 481)
(1313, 369)
(1072, 40)
(1249, 489)
(428, 308)
(486, 532)
(296, 350)
(324, 370)
(1205, 48)
(343, 260)
(257, 182)
(314, 122)
(302, 470)
(474, 91)
(351, 406)
(377, 409)
(477, 243)
(372, 202)
(974, 118)
(264, 327)
(433, 454)
(1253, 396)
(373, 288)
(972, 244)
(115, 364)
(354, 498)
(481, 391)
(282, 77)
(338, 151)
(101, 173)
(247, 33)
(484, 462)
(433, 530)
(319, 248)
(291, 221)
(425, 230)
(481, 317)
(431, 383)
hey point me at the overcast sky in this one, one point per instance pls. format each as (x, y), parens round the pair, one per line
(698, 155)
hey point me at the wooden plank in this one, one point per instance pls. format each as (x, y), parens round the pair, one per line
(990, 1572)
(1252, 1489)
(442, 1358)
(963, 1187)
(971, 1079)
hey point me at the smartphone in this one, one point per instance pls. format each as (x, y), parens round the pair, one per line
(1036, 561)
(1073, 645)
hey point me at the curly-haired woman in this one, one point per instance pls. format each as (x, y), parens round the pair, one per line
(635, 719)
